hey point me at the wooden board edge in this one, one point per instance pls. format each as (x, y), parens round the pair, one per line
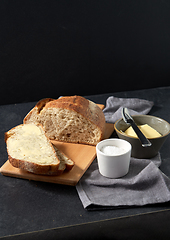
(34, 177)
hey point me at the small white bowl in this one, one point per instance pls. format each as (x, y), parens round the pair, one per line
(114, 165)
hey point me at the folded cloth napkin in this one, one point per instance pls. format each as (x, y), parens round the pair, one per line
(135, 106)
(144, 183)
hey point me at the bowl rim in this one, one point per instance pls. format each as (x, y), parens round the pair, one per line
(141, 115)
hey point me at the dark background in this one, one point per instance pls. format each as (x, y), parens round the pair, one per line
(84, 47)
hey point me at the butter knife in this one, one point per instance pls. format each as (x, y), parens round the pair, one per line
(128, 119)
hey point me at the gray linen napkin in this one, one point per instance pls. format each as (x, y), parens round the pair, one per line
(135, 106)
(144, 183)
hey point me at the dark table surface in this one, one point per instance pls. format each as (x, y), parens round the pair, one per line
(28, 206)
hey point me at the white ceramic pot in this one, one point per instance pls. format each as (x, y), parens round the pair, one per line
(113, 164)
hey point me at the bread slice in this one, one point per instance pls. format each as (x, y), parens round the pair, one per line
(30, 149)
(66, 164)
(69, 119)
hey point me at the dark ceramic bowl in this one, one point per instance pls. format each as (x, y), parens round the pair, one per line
(138, 151)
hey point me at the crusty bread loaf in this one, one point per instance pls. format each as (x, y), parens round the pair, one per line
(30, 149)
(69, 119)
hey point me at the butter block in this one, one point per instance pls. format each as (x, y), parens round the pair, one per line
(148, 131)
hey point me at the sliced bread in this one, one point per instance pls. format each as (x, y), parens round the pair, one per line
(66, 164)
(30, 149)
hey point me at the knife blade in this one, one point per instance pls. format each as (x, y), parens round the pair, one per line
(129, 120)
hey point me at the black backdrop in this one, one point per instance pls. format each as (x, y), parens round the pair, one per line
(50, 48)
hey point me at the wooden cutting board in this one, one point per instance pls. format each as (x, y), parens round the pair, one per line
(82, 155)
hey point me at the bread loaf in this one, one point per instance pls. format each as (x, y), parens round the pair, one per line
(29, 149)
(69, 119)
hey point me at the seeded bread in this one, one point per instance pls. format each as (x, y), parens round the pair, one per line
(69, 119)
(30, 149)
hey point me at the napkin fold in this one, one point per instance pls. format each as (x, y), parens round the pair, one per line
(144, 183)
(136, 106)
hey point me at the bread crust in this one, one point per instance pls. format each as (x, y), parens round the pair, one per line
(41, 104)
(38, 107)
(35, 168)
